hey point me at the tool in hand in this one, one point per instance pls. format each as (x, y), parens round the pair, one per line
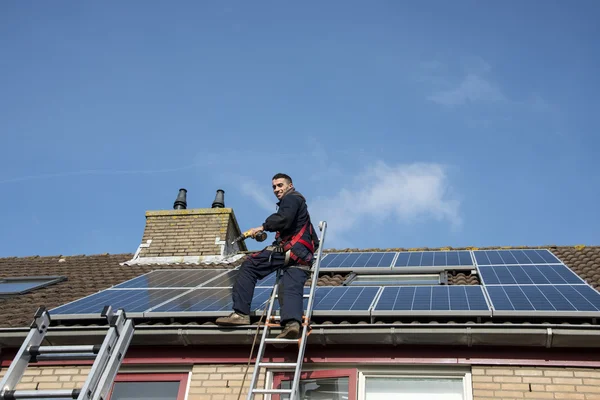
(260, 237)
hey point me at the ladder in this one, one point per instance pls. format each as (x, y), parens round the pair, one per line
(293, 392)
(108, 358)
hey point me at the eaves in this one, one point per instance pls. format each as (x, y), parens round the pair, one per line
(469, 335)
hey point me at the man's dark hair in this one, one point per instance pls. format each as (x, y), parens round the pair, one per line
(284, 176)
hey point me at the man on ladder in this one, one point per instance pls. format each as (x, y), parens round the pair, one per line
(292, 253)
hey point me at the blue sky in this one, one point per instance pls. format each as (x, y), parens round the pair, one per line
(463, 123)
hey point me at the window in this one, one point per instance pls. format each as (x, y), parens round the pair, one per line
(380, 383)
(396, 280)
(337, 384)
(21, 285)
(415, 385)
(150, 386)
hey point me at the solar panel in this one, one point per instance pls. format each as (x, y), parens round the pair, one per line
(515, 257)
(528, 275)
(560, 300)
(131, 300)
(169, 278)
(341, 300)
(357, 260)
(226, 279)
(433, 259)
(432, 300)
(207, 302)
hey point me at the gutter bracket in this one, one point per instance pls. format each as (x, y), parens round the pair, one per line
(322, 337)
(183, 336)
(469, 337)
(549, 338)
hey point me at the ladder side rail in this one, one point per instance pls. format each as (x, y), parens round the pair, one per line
(304, 338)
(114, 362)
(19, 364)
(102, 359)
(261, 347)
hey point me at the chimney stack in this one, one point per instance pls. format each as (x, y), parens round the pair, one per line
(219, 199)
(180, 202)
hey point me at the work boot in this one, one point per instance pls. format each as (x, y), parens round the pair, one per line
(232, 319)
(291, 331)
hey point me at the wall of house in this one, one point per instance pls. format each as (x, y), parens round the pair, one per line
(46, 378)
(501, 382)
(208, 382)
(220, 382)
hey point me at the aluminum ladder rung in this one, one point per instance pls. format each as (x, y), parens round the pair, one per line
(275, 340)
(35, 350)
(272, 391)
(41, 394)
(277, 365)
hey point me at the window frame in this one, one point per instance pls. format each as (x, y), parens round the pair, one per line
(350, 373)
(412, 372)
(51, 280)
(182, 377)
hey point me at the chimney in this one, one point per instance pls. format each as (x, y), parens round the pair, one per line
(219, 199)
(180, 202)
(188, 235)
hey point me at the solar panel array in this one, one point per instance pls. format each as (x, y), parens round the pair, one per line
(534, 282)
(514, 282)
(393, 260)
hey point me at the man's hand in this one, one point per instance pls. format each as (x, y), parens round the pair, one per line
(254, 231)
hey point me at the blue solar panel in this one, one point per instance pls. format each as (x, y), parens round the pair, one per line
(210, 301)
(515, 299)
(423, 300)
(169, 278)
(341, 300)
(357, 260)
(528, 275)
(131, 300)
(433, 259)
(515, 257)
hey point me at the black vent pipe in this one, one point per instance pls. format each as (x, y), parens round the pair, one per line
(180, 202)
(219, 199)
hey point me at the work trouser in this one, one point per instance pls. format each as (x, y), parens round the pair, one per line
(291, 281)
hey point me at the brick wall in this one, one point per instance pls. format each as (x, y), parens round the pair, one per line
(221, 382)
(535, 383)
(46, 378)
(190, 232)
(209, 382)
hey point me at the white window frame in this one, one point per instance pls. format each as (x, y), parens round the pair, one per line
(402, 371)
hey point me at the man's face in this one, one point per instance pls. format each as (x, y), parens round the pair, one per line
(280, 187)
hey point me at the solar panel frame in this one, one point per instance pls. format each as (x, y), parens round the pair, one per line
(224, 304)
(515, 257)
(476, 293)
(141, 282)
(90, 307)
(421, 260)
(547, 299)
(528, 274)
(323, 294)
(351, 261)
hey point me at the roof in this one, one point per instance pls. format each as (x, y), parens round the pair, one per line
(88, 274)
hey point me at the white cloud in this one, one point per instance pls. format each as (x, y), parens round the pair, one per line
(472, 89)
(388, 194)
(258, 194)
